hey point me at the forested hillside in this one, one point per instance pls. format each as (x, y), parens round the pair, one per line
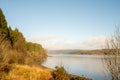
(15, 49)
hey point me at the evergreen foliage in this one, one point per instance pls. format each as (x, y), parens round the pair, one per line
(15, 49)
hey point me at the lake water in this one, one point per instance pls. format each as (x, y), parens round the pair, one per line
(90, 66)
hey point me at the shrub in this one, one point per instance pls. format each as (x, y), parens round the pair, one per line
(4, 70)
(60, 74)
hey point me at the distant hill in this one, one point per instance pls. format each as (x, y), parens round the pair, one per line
(100, 51)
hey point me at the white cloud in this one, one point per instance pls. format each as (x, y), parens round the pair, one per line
(54, 42)
(41, 39)
(94, 43)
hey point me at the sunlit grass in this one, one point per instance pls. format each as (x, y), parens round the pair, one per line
(20, 72)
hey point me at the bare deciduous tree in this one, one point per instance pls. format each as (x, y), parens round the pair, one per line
(112, 55)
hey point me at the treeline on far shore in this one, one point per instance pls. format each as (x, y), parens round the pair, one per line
(82, 52)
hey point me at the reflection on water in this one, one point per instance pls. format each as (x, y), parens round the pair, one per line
(88, 65)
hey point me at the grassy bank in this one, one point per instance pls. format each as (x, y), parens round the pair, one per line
(25, 72)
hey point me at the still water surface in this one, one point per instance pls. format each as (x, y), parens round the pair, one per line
(90, 66)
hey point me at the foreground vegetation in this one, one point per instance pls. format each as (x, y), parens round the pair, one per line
(25, 72)
(61, 74)
(112, 55)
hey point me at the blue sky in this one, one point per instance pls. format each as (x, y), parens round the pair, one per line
(64, 24)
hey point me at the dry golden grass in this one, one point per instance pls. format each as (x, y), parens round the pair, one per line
(24, 72)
